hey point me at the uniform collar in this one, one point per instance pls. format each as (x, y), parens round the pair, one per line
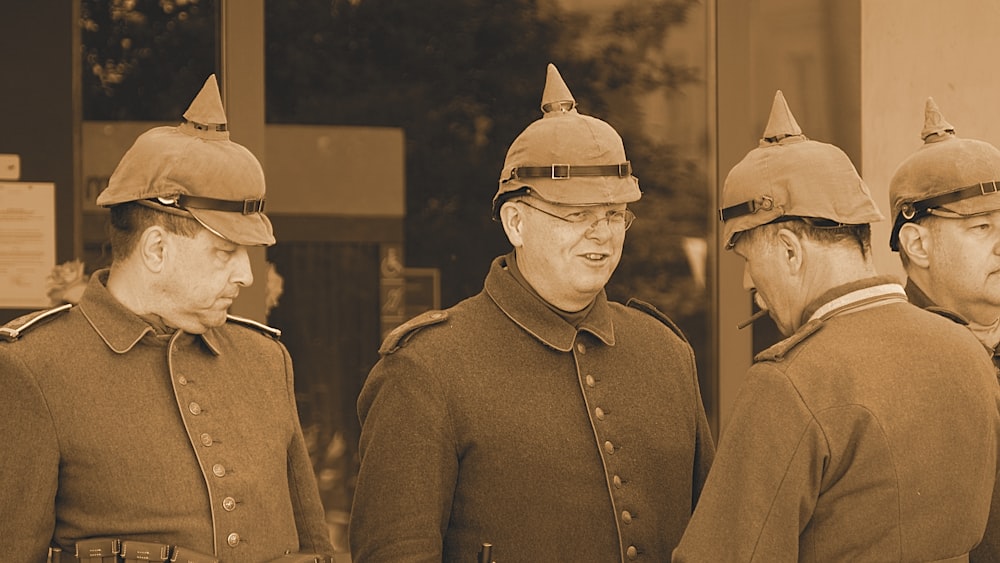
(920, 299)
(535, 317)
(850, 296)
(120, 328)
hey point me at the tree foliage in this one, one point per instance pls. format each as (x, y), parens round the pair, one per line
(462, 78)
(144, 60)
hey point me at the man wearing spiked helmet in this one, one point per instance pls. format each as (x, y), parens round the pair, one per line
(947, 232)
(824, 457)
(145, 423)
(946, 206)
(537, 416)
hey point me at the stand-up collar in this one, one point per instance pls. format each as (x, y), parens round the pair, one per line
(120, 328)
(853, 295)
(535, 317)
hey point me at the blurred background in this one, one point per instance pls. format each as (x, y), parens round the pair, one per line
(382, 127)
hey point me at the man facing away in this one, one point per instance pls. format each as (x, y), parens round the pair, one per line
(145, 423)
(870, 432)
(537, 416)
(947, 232)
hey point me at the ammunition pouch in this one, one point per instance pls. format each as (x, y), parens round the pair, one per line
(106, 550)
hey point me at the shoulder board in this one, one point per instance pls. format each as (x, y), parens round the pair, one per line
(949, 314)
(15, 328)
(268, 330)
(399, 336)
(652, 311)
(777, 352)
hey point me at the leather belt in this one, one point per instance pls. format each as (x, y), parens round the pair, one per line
(567, 171)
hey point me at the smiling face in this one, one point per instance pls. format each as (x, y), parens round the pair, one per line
(566, 253)
(200, 278)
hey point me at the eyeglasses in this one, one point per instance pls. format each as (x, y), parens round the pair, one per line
(615, 217)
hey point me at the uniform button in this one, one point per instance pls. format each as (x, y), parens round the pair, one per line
(626, 516)
(599, 413)
(617, 481)
(195, 408)
(182, 380)
(233, 539)
(590, 381)
(581, 348)
(229, 503)
(206, 440)
(219, 470)
(609, 447)
(632, 552)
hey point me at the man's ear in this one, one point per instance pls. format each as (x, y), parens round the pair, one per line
(915, 240)
(513, 223)
(152, 248)
(791, 247)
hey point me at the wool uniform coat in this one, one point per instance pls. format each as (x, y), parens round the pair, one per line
(870, 434)
(497, 421)
(191, 440)
(988, 550)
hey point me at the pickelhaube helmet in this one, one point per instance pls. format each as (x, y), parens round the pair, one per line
(956, 175)
(790, 175)
(194, 170)
(567, 145)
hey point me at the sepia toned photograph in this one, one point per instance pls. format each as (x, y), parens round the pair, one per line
(386, 281)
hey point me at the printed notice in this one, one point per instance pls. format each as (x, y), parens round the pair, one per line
(27, 243)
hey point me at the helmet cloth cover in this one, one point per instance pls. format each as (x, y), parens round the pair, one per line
(567, 157)
(790, 175)
(195, 170)
(949, 172)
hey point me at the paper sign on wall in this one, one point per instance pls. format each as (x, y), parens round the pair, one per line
(27, 243)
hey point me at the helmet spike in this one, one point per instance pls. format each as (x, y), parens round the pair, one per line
(781, 122)
(556, 98)
(936, 127)
(205, 117)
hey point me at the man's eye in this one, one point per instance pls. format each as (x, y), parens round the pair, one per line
(578, 217)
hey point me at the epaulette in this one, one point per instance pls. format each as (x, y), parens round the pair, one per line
(268, 330)
(656, 314)
(15, 328)
(777, 352)
(399, 336)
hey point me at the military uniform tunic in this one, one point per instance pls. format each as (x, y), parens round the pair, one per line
(500, 422)
(870, 434)
(988, 550)
(112, 430)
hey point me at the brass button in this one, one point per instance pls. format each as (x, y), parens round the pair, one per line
(617, 481)
(626, 516)
(590, 381)
(219, 470)
(206, 440)
(233, 539)
(632, 553)
(609, 447)
(229, 503)
(581, 348)
(182, 380)
(195, 408)
(599, 413)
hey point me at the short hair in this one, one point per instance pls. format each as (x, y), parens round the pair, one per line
(861, 235)
(129, 220)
